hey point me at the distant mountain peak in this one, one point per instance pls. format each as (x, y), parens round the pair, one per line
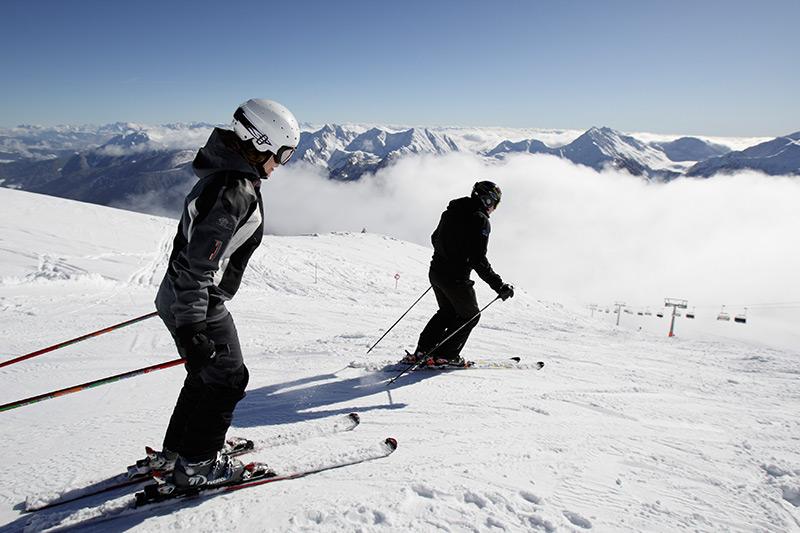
(599, 147)
(129, 139)
(780, 156)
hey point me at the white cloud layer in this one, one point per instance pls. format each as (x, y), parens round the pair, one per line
(567, 232)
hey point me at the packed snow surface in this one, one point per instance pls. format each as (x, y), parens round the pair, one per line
(624, 429)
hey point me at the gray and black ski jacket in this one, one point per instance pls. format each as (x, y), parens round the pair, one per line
(220, 228)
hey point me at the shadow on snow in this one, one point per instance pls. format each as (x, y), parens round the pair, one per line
(313, 397)
(281, 403)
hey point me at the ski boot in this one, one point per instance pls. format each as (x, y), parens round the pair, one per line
(458, 362)
(219, 470)
(160, 463)
(163, 461)
(413, 358)
(441, 362)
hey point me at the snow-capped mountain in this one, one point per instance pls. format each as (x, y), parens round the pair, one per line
(778, 156)
(317, 147)
(531, 146)
(36, 143)
(690, 149)
(348, 155)
(131, 170)
(347, 166)
(599, 148)
(412, 141)
(147, 168)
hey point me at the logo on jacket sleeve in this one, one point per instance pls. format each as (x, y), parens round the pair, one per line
(225, 223)
(215, 248)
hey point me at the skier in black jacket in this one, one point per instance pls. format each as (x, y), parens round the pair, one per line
(220, 228)
(459, 247)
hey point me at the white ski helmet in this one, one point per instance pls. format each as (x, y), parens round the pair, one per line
(269, 125)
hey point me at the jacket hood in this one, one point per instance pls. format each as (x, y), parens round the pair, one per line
(466, 203)
(220, 154)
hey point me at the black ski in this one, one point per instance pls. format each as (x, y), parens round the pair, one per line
(511, 362)
(137, 476)
(256, 474)
(259, 474)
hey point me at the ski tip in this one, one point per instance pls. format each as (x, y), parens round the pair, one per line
(354, 417)
(391, 443)
(540, 364)
(148, 450)
(516, 359)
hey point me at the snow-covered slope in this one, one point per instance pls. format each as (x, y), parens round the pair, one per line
(623, 430)
(780, 156)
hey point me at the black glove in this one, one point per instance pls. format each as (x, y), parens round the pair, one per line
(194, 345)
(506, 292)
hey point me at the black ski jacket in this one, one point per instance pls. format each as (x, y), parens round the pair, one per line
(221, 226)
(460, 241)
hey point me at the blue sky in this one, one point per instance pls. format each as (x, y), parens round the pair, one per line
(696, 67)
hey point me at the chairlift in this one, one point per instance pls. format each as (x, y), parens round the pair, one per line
(690, 314)
(648, 313)
(741, 318)
(639, 313)
(660, 315)
(628, 311)
(723, 315)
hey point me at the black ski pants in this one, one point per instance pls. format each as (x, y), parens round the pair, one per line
(457, 305)
(205, 405)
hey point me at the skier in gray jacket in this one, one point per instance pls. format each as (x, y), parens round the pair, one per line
(220, 228)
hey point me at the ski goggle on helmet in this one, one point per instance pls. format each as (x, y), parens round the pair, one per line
(269, 126)
(487, 192)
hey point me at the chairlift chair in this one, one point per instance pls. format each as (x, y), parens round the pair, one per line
(690, 314)
(723, 315)
(741, 318)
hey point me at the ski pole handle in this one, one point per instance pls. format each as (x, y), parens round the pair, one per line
(77, 339)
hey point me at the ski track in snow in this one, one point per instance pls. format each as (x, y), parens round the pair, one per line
(622, 430)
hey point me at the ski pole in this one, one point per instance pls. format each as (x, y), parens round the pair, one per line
(399, 319)
(77, 339)
(412, 365)
(89, 385)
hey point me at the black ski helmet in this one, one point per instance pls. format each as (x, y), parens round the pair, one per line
(487, 192)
